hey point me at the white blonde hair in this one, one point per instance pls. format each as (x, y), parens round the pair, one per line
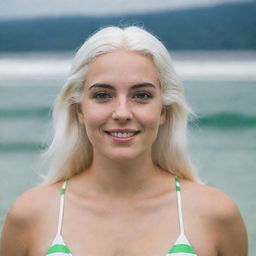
(71, 151)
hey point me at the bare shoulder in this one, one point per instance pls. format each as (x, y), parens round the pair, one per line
(220, 214)
(26, 212)
(31, 203)
(216, 204)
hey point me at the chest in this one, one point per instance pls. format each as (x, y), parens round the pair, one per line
(121, 230)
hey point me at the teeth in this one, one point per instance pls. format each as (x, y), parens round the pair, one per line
(122, 135)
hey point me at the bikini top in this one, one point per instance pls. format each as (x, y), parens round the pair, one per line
(181, 247)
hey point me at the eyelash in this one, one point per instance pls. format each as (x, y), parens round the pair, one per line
(149, 96)
(104, 94)
(95, 96)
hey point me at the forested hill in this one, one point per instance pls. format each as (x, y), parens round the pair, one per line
(229, 26)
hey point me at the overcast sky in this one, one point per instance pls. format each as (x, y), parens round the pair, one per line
(10, 9)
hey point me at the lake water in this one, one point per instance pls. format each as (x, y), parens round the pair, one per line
(220, 87)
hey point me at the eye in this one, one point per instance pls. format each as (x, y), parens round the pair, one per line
(101, 95)
(142, 95)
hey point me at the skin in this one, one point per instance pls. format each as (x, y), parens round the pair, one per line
(123, 204)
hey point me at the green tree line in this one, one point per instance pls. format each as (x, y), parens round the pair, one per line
(228, 26)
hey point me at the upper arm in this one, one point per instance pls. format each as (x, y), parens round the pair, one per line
(19, 224)
(24, 220)
(232, 236)
(13, 240)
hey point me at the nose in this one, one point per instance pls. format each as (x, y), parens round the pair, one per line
(122, 111)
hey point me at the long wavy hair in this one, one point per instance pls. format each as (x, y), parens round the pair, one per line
(70, 151)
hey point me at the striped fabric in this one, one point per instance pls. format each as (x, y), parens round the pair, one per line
(58, 248)
(177, 183)
(181, 247)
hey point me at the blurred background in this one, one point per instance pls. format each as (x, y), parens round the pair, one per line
(213, 46)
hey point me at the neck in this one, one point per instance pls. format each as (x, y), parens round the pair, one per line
(124, 178)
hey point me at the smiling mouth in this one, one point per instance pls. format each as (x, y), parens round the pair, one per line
(122, 134)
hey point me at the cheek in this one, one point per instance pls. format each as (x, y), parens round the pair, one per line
(92, 123)
(151, 123)
(151, 116)
(94, 117)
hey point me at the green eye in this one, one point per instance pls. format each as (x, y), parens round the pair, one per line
(101, 95)
(142, 95)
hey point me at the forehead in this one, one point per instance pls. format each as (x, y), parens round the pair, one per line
(122, 67)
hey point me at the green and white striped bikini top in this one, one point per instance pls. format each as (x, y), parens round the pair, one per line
(181, 247)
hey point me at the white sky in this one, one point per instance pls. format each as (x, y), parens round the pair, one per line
(10, 9)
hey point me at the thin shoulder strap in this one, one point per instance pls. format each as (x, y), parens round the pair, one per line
(178, 194)
(61, 210)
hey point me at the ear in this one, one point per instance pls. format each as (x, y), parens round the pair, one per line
(79, 114)
(163, 115)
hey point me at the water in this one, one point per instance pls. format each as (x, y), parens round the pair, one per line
(221, 142)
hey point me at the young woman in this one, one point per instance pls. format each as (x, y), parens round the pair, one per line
(119, 164)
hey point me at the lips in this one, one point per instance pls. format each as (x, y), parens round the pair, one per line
(122, 133)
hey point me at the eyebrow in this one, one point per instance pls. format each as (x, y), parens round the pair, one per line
(108, 86)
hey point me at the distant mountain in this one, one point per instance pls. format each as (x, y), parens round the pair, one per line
(229, 26)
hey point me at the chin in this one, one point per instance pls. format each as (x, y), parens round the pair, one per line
(124, 155)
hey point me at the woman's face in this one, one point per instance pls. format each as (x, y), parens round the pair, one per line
(122, 105)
